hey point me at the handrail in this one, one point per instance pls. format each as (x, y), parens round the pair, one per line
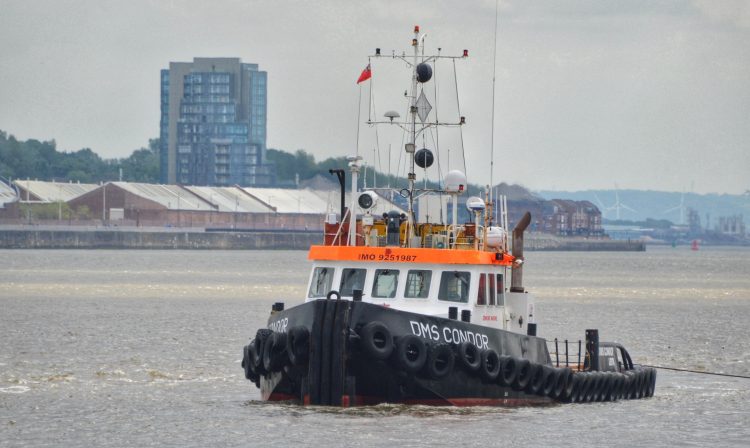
(341, 226)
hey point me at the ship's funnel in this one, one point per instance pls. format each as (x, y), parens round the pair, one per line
(516, 279)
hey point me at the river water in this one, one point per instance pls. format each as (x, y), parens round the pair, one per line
(143, 348)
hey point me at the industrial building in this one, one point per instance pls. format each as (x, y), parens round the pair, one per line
(155, 205)
(235, 207)
(41, 191)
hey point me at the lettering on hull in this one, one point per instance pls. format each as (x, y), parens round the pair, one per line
(279, 325)
(448, 334)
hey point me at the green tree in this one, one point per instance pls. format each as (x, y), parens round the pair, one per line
(141, 166)
(41, 160)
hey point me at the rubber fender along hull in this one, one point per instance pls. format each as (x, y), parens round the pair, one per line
(354, 353)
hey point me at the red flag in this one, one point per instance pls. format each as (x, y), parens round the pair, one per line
(366, 74)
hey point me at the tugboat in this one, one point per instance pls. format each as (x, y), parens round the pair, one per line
(400, 311)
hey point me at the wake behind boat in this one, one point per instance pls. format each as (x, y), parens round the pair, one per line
(402, 311)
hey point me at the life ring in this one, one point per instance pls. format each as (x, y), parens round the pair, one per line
(274, 352)
(376, 340)
(332, 293)
(508, 371)
(490, 364)
(469, 356)
(440, 361)
(258, 344)
(411, 353)
(298, 345)
(523, 375)
(536, 383)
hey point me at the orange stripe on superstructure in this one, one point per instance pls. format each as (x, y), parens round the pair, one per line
(407, 255)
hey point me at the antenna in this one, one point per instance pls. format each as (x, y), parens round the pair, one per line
(494, 72)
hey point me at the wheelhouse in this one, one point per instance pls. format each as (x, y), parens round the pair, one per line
(430, 289)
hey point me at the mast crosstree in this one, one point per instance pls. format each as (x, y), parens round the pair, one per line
(419, 109)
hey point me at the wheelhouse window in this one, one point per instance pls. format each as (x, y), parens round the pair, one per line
(482, 290)
(322, 279)
(385, 283)
(454, 286)
(418, 284)
(500, 290)
(352, 279)
(491, 295)
(486, 291)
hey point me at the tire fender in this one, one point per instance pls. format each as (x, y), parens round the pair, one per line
(298, 345)
(508, 371)
(523, 375)
(490, 365)
(376, 340)
(440, 361)
(411, 353)
(469, 356)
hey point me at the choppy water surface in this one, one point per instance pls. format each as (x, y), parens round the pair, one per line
(142, 348)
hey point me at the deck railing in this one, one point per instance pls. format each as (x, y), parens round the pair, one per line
(567, 353)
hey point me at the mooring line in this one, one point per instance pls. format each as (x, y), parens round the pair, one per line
(698, 371)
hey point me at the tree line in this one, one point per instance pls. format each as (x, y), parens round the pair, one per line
(34, 159)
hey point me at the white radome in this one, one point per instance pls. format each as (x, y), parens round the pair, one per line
(455, 181)
(475, 204)
(496, 237)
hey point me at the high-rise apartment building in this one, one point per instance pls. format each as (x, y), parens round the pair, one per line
(213, 123)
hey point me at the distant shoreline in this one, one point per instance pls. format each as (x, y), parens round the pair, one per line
(239, 239)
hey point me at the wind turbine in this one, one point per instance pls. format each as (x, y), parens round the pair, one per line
(602, 207)
(680, 207)
(618, 205)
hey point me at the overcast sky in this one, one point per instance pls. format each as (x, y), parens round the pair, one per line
(645, 94)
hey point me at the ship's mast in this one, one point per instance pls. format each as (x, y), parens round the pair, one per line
(412, 145)
(419, 107)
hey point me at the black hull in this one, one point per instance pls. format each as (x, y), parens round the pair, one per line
(336, 366)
